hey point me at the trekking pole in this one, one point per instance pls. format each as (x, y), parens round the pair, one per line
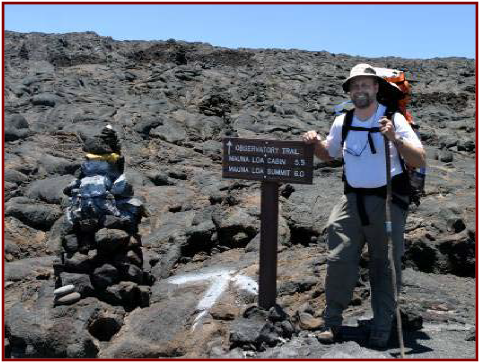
(388, 228)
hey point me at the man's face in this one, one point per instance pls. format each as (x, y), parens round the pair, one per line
(363, 91)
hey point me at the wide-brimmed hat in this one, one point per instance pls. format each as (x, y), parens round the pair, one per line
(362, 70)
(385, 87)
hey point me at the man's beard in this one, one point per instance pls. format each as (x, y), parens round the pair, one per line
(363, 100)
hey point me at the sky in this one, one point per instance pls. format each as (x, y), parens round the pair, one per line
(406, 30)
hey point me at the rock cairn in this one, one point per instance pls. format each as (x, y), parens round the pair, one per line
(101, 248)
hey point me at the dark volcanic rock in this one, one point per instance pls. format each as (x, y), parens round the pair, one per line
(246, 332)
(49, 190)
(199, 238)
(78, 263)
(14, 176)
(27, 268)
(17, 121)
(235, 227)
(352, 350)
(258, 328)
(12, 134)
(142, 338)
(80, 281)
(127, 294)
(171, 131)
(105, 276)
(56, 165)
(40, 216)
(61, 332)
(460, 250)
(45, 99)
(110, 240)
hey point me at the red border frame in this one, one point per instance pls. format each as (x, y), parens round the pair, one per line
(243, 3)
(239, 3)
(476, 179)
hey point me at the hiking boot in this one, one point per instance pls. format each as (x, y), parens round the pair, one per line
(379, 339)
(328, 335)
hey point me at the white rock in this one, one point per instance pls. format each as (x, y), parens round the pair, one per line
(64, 290)
(68, 299)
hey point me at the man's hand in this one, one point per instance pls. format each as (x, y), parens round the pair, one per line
(311, 137)
(320, 151)
(413, 156)
(387, 129)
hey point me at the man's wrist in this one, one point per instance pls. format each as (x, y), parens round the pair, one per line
(399, 140)
(319, 143)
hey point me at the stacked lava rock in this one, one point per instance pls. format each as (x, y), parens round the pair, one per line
(101, 252)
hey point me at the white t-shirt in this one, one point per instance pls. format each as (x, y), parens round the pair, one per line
(362, 168)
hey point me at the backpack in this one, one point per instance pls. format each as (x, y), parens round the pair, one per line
(415, 183)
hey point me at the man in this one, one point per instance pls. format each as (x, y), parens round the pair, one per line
(359, 217)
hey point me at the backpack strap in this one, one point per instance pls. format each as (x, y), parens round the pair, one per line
(390, 113)
(347, 126)
(405, 186)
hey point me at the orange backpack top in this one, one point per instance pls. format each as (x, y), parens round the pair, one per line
(397, 78)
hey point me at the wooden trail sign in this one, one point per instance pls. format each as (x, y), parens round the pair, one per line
(268, 160)
(271, 162)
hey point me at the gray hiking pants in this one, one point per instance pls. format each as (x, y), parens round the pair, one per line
(346, 238)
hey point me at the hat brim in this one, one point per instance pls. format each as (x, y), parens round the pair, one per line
(385, 88)
(346, 84)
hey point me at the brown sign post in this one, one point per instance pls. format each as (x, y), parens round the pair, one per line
(271, 162)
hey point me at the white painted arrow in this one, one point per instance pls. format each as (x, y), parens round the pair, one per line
(220, 280)
(229, 144)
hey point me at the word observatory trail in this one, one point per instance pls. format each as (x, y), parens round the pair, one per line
(267, 160)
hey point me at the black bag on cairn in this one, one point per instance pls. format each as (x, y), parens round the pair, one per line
(104, 143)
